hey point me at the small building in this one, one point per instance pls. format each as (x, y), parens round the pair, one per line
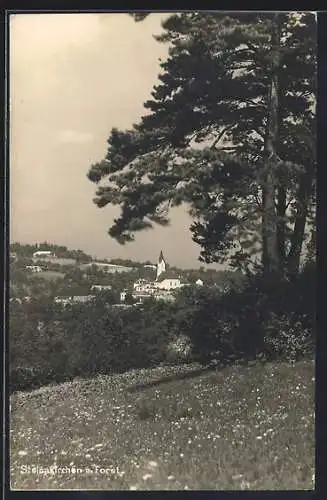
(40, 326)
(63, 300)
(136, 295)
(199, 282)
(34, 269)
(100, 288)
(123, 295)
(41, 254)
(143, 285)
(75, 299)
(16, 299)
(82, 299)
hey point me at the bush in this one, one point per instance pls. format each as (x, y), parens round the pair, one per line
(178, 349)
(239, 323)
(287, 338)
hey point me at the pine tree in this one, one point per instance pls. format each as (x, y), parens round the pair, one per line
(231, 132)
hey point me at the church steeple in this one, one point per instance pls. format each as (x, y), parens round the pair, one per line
(161, 266)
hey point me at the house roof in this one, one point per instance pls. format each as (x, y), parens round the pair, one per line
(170, 275)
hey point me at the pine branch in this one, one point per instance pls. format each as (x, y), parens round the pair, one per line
(221, 134)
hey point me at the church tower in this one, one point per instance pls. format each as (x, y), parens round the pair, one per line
(161, 266)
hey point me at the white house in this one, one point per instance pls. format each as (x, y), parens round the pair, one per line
(83, 299)
(100, 288)
(41, 254)
(75, 299)
(63, 300)
(34, 269)
(20, 300)
(142, 285)
(16, 299)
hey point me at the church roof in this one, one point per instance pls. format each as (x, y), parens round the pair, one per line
(161, 257)
(170, 275)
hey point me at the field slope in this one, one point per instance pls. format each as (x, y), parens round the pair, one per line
(242, 427)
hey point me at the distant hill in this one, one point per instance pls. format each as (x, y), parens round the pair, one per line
(62, 252)
(209, 277)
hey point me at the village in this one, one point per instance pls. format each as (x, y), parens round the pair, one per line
(161, 286)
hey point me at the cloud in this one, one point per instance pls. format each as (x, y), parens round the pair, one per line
(74, 137)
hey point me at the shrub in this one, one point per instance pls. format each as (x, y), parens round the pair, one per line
(287, 338)
(179, 349)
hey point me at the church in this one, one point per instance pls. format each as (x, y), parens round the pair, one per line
(161, 266)
(166, 281)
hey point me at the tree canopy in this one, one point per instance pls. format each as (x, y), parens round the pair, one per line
(230, 131)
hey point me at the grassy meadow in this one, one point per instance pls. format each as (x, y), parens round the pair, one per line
(245, 427)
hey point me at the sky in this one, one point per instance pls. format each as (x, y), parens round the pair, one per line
(72, 78)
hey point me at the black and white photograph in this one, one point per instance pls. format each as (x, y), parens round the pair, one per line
(162, 250)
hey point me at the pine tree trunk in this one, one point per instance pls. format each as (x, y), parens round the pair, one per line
(271, 259)
(303, 195)
(281, 210)
(311, 256)
(264, 239)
